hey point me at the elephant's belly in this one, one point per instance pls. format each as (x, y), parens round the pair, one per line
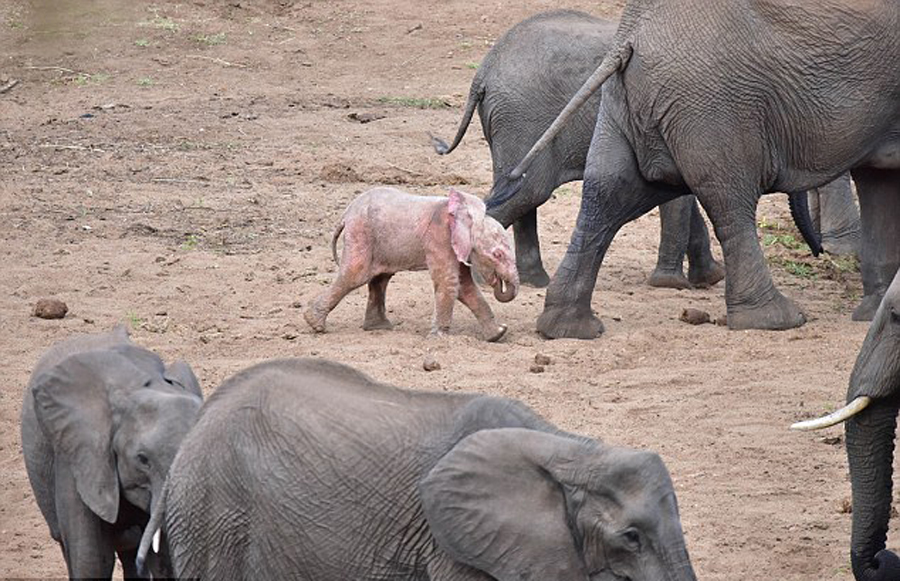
(886, 155)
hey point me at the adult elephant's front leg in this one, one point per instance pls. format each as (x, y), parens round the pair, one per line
(879, 205)
(751, 298)
(528, 251)
(613, 194)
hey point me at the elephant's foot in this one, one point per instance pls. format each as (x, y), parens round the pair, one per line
(777, 315)
(494, 334)
(668, 279)
(841, 246)
(569, 322)
(534, 277)
(314, 320)
(867, 307)
(707, 275)
(377, 324)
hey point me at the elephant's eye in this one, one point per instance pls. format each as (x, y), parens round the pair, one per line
(142, 458)
(498, 253)
(632, 540)
(895, 316)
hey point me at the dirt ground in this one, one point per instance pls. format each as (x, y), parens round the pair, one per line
(179, 167)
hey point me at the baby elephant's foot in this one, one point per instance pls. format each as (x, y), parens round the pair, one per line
(315, 321)
(495, 334)
(438, 333)
(377, 324)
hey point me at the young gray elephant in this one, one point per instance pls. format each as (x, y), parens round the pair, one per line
(387, 231)
(101, 421)
(307, 469)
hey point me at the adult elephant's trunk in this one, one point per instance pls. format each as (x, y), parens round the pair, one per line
(505, 291)
(799, 204)
(870, 451)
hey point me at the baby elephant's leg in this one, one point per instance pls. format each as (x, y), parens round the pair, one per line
(446, 288)
(376, 316)
(352, 275)
(470, 295)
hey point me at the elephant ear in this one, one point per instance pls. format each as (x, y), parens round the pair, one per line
(180, 373)
(466, 215)
(72, 406)
(493, 504)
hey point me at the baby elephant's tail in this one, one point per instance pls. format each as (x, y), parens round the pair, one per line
(334, 239)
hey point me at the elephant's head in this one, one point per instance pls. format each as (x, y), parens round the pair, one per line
(525, 504)
(480, 241)
(116, 416)
(871, 415)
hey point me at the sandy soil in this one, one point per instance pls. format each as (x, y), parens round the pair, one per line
(180, 167)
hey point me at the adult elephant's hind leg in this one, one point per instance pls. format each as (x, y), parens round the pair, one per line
(528, 251)
(675, 221)
(704, 270)
(752, 300)
(879, 205)
(613, 194)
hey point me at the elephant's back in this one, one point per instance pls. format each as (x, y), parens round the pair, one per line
(292, 451)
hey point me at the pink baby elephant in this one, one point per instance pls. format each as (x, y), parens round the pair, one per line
(387, 231)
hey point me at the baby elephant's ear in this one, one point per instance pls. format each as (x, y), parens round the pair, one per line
(71, 402)
(493, 503)
(181, 373)
(466, 212)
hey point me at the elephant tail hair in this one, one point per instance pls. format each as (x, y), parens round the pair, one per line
(151, 533)
(476, 94)
(334, 240)
(615, 60)
(799, 205)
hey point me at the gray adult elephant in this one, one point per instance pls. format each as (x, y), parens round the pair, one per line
(523, 83)
(101, 421)
(730, 100)
(873, 400)
(307, 469)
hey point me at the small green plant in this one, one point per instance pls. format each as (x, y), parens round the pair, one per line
(191, 242)
(145, 82)
(416, 103)
(795, 267)
(14, 24)
(473, 66)
(164, 23)
(211, 39)
(142, 42)
(133, 319)
(785, 240)
(84, 79)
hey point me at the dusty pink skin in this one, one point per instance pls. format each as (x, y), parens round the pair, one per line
(387, 231)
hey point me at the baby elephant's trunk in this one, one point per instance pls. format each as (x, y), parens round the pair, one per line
(505, 291)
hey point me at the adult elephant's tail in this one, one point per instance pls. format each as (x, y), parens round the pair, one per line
(476, 94)
(614, 61)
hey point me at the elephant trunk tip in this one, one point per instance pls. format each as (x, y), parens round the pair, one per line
(505, 291)
(884, 567)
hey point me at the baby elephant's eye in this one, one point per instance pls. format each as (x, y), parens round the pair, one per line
(498, 253)
(142, 458)
(632, 539)
(895, 315)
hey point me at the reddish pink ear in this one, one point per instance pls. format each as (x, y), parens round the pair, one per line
(460, 226)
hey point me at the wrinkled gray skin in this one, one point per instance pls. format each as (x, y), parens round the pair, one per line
(836, 217)
(387, 231)
(870, 441)
(101, 421)
(307, 469)
(520, 87)
(673, 120)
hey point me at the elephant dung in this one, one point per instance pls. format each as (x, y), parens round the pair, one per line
(541, 359)
(430, 363)
(694, 316)
(50, 309)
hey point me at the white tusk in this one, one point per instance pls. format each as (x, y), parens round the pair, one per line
(156, 541)
(836, 417)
